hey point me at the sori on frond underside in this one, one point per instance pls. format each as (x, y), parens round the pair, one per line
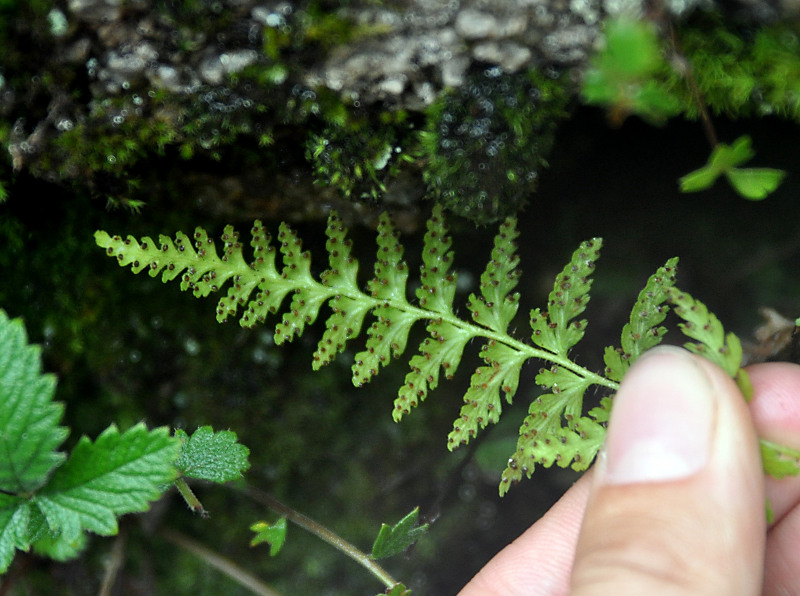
(559, 428)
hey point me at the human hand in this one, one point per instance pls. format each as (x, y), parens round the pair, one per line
(675, 503)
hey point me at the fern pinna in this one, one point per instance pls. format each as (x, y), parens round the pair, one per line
(558, 429)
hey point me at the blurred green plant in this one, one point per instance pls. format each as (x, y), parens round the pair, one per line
(751, 183)
(631, 75)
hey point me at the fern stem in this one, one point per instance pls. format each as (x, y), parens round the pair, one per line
(325, 534)
(515, 344)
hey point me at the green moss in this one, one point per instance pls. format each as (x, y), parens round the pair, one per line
(359, 157)
(743, 72)
(487, 142)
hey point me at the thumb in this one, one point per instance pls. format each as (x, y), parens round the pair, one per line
(677, 501)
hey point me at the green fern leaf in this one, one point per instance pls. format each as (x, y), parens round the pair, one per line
(442, 350)
(555, 330)
(348, 313)
(643, 331)
(723, 349)
(496, 306)
(308, 294)
(482, 402)
(391, 272)
(779, 461)
(438, 283)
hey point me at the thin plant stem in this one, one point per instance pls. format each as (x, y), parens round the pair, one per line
(323, 533)
(220, 563)
(114, 564)
(694, 89)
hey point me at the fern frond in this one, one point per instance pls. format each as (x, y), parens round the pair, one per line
(643, 330)
(556, 430)
(259, 289)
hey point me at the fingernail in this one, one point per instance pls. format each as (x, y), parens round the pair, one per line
(662, 420)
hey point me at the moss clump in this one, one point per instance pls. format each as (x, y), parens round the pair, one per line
(360, 157)
(487, 141)
(743, 72)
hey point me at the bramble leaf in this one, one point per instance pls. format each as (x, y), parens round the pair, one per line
(14, 533)
(29, 418)
(272, 534)
(393, 540)
(116, 474)
(214, 456)
(396, 590)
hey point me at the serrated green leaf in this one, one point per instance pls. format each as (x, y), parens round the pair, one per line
(114, 475)
(14, 532)
(272, 534)
(575, 447)
(482, 401)
(442, 350)
(496, 306)
(391, 272)
(214, 456)
(555, 330)
(393, 540)
(779, 461)
(703, 326)
(643, 330)
(58, 548)
(438, 283)
(29, 419)
(755, 183)
(387, 338)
